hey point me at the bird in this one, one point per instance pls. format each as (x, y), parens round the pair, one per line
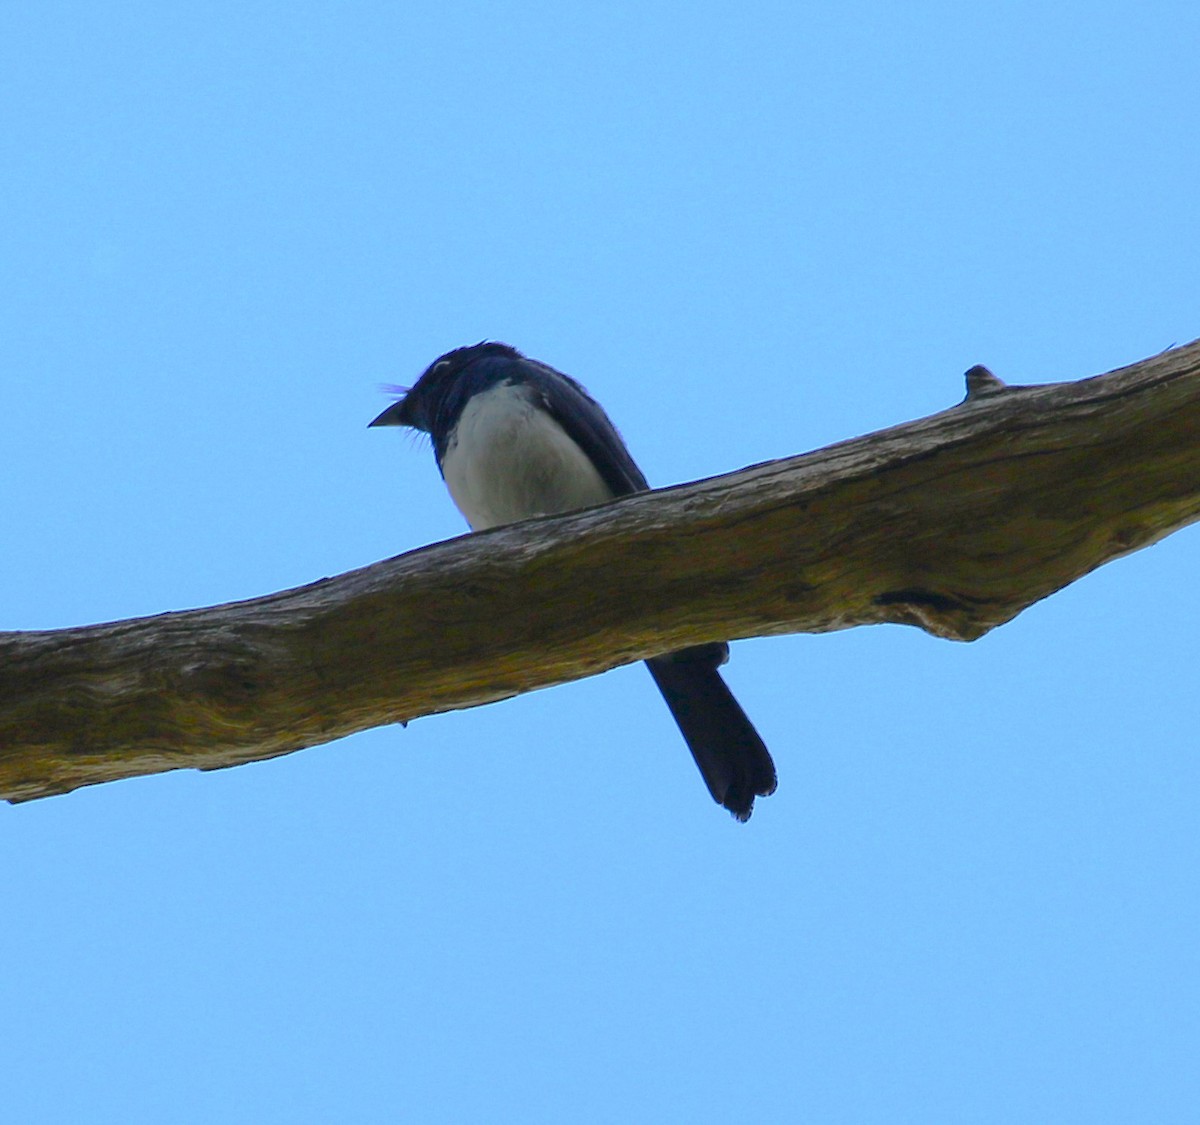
(513, 439)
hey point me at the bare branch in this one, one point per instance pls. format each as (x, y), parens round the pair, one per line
(954, 523)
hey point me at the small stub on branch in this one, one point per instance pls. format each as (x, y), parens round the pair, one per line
(981, 383)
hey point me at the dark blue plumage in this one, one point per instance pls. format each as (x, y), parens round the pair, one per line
(514, 439)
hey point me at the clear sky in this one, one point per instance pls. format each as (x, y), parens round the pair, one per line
(750, 229)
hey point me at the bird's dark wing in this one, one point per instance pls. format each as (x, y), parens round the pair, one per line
(587, 425)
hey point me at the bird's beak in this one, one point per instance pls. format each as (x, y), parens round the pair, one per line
(392, 416)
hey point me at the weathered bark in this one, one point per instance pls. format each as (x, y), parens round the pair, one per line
(954, 523)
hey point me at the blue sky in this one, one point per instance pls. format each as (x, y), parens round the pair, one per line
(750, 230)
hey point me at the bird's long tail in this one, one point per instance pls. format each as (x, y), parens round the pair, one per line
(733, 760)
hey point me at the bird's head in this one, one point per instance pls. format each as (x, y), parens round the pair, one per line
(417, 406)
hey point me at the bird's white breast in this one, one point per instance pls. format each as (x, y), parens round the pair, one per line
(507, 460)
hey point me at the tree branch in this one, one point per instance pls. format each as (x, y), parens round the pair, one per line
(954, 523)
